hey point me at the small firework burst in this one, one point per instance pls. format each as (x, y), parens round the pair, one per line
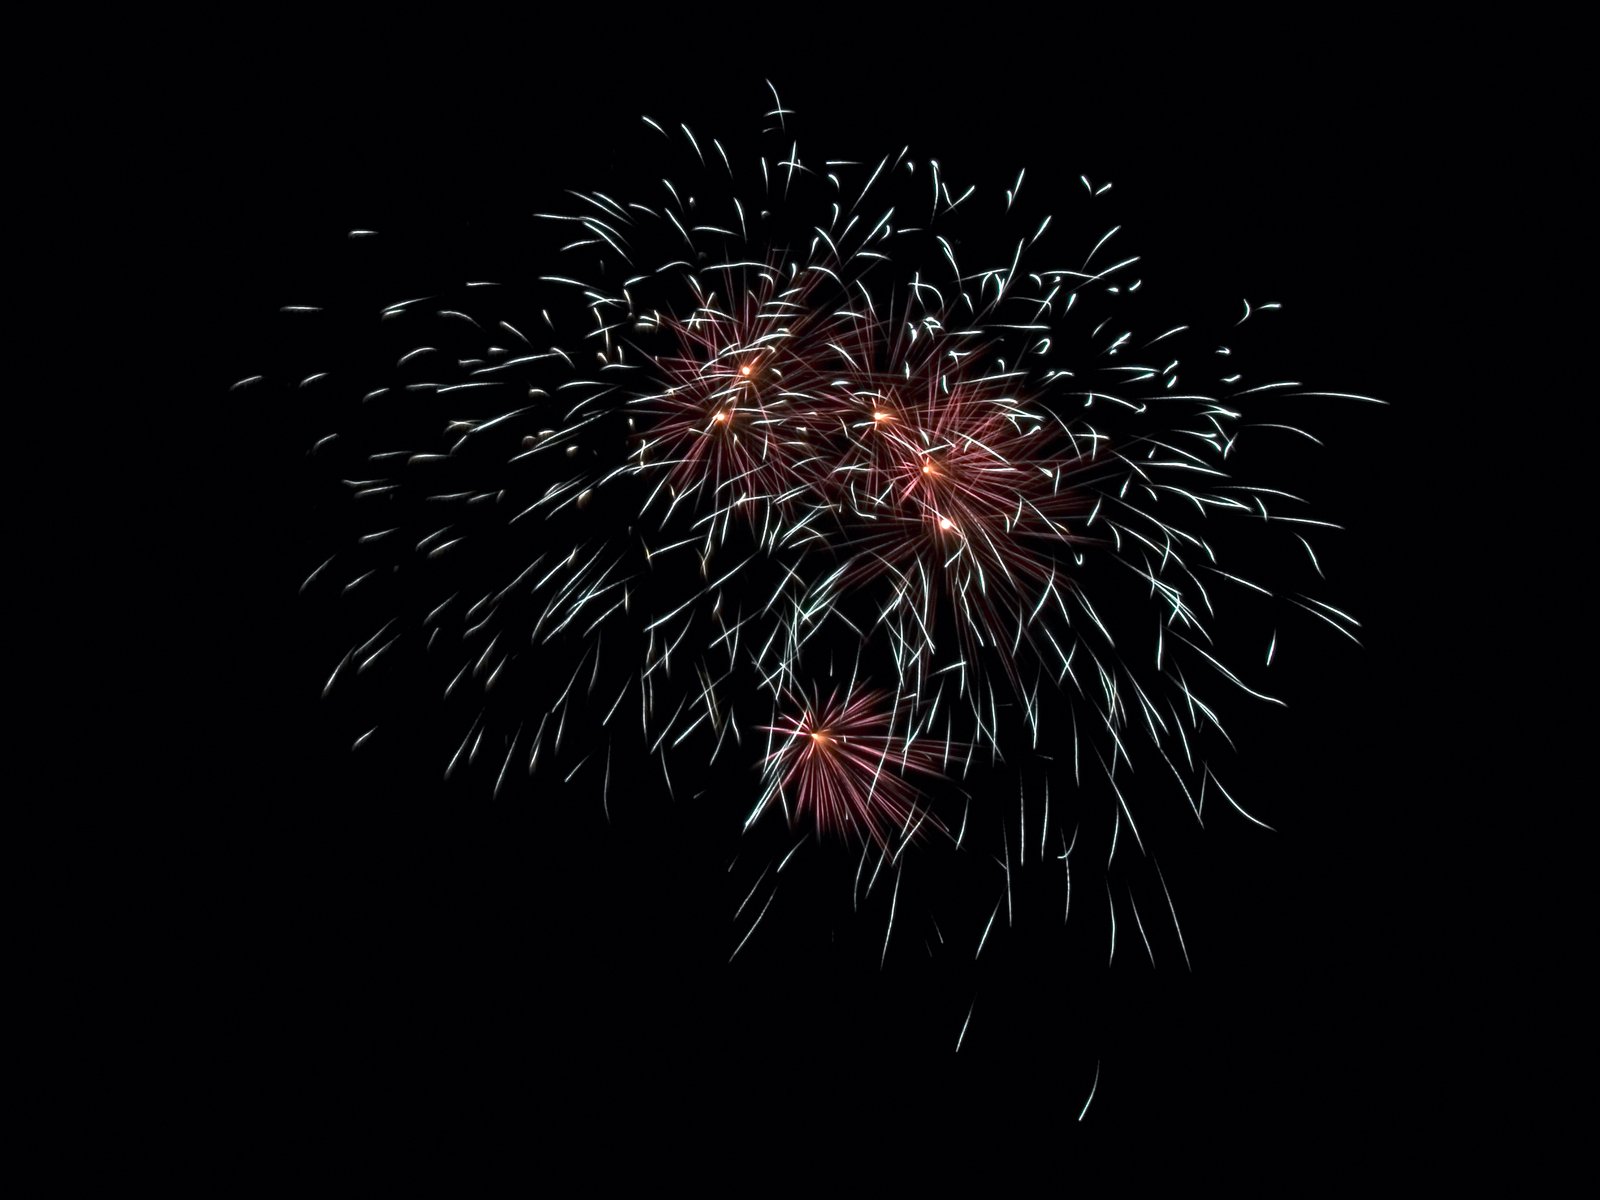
(847, 763)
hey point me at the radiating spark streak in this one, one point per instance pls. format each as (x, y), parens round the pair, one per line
(1044, 825)
(376, 654)
(328, 687)
(963, 1035)
(1005, 843)
(1174, 911)
(1066, 863)
(752, 892)
(1235, 803)
(1096, 1085)
(502, 777)
(1022, 826)
(893, 904)
(988, 927)
(791, 854)
(1111, 906)
(1139, 921)
(1230, 676)
(752, 929)
(470, 731)
(318, 571)
(1344, 396)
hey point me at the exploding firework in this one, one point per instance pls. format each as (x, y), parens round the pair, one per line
(849, 764)
(845, 456)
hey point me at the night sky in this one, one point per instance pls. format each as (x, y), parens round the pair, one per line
(400, 936)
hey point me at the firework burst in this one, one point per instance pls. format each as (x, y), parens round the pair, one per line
(847, 763)
(764, 429)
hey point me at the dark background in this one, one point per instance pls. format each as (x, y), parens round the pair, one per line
(392, 941)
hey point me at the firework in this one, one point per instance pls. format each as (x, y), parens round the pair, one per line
(849, 763)
(761, 454)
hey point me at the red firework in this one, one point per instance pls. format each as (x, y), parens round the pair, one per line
(742, 399)
(842, 762)
(967, 491)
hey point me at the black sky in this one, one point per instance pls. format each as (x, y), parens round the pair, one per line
(393, 935)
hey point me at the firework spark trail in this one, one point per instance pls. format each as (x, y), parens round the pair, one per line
(780, 412)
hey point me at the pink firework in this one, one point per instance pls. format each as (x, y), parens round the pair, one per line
(968, 493)
(842, 763)
(741, 401)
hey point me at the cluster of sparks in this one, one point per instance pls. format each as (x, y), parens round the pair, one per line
(848, 767)
(786, 417)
